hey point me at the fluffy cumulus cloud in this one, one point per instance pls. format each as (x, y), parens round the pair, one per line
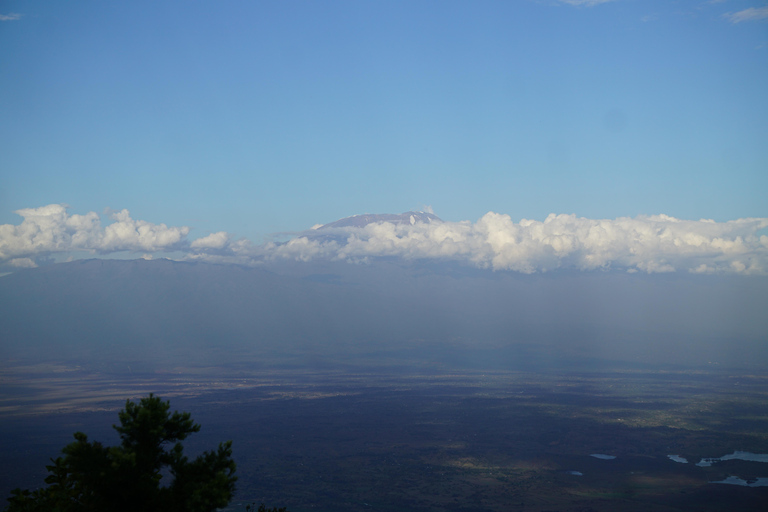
(213, 241)
(657, 243)
(50, 229)
(647, 243)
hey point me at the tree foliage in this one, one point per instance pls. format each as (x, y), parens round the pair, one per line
(129, 477)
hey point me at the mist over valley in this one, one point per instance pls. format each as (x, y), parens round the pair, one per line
(414, 385)
(302, 314)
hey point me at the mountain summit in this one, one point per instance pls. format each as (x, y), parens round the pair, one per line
(359, 221)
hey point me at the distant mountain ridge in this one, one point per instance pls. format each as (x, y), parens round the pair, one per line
(359, 221)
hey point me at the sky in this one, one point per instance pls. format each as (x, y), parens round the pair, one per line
(207, 127)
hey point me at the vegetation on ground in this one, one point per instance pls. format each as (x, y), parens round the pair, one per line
(129, 477)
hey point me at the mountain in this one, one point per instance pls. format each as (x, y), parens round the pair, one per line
(359, 221)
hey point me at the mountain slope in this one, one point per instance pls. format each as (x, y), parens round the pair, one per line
(359, 221)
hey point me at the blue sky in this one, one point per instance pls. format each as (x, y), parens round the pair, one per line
(263, 117)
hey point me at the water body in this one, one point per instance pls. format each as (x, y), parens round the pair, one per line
(754, 457)
(575, 473)
(602, 456)
(677, 458)
(734, 480)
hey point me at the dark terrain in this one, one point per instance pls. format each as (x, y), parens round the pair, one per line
(402, 386)
(421, 439)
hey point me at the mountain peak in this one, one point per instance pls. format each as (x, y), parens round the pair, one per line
(359, 221)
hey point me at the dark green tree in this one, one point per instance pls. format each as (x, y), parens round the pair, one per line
(129, 477)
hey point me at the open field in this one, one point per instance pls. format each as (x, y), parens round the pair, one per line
(416, 438)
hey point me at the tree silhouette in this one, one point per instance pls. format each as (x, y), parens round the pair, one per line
(91, 477)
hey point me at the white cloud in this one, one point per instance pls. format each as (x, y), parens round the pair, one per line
(11, 16)
(22, 263)
(650, 244)
(656, 243)
(126, 234)
(50, 229)
(212, 241)
(751, 14)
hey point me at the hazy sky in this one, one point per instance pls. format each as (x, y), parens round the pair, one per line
(263, 116)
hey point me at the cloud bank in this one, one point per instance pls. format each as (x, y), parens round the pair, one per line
(50, 229)
(655, 243)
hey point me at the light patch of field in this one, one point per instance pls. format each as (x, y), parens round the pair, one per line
(659, 484)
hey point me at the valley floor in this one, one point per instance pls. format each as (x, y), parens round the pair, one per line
(423, 438)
